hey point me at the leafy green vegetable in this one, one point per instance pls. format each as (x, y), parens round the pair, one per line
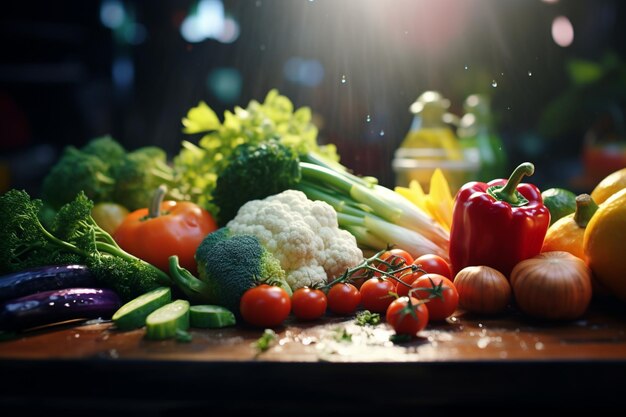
(74, 238)
(77, 171)
(106, 172)
(266, 341)
(254, 172)
(201, 165)
(139, 174)
(366, 317)
(228, 266)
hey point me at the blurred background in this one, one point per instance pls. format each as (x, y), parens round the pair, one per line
(552, 73)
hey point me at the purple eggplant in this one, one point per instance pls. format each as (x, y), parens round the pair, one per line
(44, 278)
(56, 306)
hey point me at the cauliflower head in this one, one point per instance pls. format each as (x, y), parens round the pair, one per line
(302, 234)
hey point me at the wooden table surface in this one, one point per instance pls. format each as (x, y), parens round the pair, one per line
(467, 361)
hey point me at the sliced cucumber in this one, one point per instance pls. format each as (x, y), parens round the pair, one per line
(210, 316)
(167, 321)
(132, 315)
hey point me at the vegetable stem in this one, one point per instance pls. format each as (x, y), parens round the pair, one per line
(197, 290)
(157, 199)
(509, 192)
(585, 209)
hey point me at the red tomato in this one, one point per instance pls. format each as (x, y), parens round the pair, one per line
(398, 258)
(308, 303)
(375, 294)
(408, 278)
(265, 305)
(343, 298)
(434, 264)
(442, 296)
(407, 318)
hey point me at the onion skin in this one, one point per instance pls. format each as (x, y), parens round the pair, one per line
(552, 285)
(482, 290)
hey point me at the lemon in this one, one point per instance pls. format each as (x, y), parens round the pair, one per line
(560, 202)
(603, 244)
(609, 186)
(109, 215)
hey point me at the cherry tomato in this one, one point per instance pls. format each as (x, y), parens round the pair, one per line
(407, 318)
(398, 258)
(265, 305)
(375, 294)
(434, 264)
(442, 296)
(343, 298)
(408, 278)
(308, 303)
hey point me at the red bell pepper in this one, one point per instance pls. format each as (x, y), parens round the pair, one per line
(498, 223)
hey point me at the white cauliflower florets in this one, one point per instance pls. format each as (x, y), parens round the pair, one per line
(302, 234)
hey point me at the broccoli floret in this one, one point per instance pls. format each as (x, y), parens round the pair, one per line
(106, 148)
(254, 172)
(139, 174)
(77, 171)
(74, 238)
(228, 266)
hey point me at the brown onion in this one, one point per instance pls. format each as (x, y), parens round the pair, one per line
(482, 290)
(552, 285)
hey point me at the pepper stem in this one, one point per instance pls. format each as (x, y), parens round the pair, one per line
(157, 199)
(509, 192)
(585, 209)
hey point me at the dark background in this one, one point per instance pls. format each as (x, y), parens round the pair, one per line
(66, 77)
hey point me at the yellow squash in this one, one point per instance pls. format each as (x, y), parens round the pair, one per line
(567, 233)
(604, 244)
(609, 186)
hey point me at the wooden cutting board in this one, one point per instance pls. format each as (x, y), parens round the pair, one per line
(466, 364)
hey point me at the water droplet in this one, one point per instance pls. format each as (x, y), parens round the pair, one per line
(501, 73)
(343, 79)
(539, 346)
(483, 342)
(382, 133)
(77, 335)
(66, 305)
(368, 118)
(494, 83)
(466, 67)
(480, 325)
(530, 74)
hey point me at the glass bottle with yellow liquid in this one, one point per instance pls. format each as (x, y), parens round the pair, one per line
(431, 143)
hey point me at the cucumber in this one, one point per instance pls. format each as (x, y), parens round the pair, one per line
(210, 316)
(132, 315)
(167, 321)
